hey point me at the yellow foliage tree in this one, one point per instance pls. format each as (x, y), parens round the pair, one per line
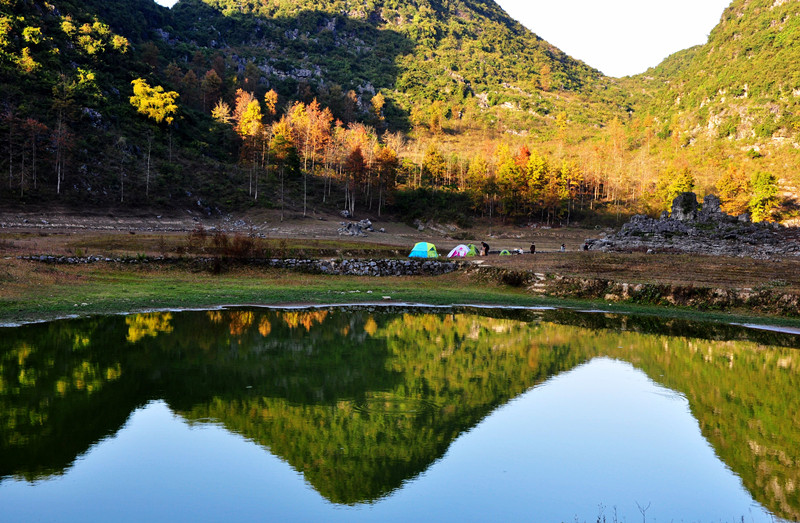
(154, 102)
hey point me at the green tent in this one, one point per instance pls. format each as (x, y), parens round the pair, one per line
(424, 250)
(505, 252)
(473, 251)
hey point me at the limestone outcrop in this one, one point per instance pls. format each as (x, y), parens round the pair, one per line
(706, 229)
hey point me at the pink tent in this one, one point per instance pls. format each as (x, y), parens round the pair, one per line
(459, 251)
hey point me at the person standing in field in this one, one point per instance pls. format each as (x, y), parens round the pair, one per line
(485, 249)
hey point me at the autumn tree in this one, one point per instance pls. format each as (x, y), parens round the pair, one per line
(158, 105)
(154, 102)
(536, 174)
(35, 131)
(433, 167)
(211, 86)
(243, 100)
(733, 189)
(190, 88)
(386, 163)
(378, 102)
(222, 112)
(284, 153)
(250, 128)
(477, 174)
(510, 182)
(271, 103)
(356, 169)
(363, 138)
(174, 73)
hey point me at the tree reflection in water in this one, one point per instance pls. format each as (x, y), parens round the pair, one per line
(362, 399)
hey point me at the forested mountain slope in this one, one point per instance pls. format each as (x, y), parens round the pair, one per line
(742, 84)
(416, 104)
(67, 70)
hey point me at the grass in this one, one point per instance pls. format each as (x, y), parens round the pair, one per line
(33, 291)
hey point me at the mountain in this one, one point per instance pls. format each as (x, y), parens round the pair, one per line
(454, 94)
(743, 84)
(67, 70)
(465, 54)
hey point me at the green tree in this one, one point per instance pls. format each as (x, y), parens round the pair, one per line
(763, 199)
(671, 184)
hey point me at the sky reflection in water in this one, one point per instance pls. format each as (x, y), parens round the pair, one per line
(599, 438)
(395, 414)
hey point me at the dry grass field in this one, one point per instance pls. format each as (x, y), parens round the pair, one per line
(27, 287)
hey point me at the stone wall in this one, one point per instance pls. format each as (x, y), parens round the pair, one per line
(380, 267)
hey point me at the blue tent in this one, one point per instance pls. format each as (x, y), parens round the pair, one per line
(424, 250)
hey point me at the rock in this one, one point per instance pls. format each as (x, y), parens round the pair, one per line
(707, 231)
(712, 204)
(684, 207)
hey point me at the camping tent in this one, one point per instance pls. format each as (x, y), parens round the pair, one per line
(472, 250)
(459, 251)
(505, 252)
(424, 250)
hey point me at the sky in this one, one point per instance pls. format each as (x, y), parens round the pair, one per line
(618, 37)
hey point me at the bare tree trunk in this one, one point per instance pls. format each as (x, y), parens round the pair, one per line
(10, 151)
(22, 175)
(59, 152)
(380, 195)
(33, 161)
(147, 177)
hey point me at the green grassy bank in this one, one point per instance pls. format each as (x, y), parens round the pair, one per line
(31, 291)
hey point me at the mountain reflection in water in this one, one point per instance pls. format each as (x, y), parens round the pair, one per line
(362, 400)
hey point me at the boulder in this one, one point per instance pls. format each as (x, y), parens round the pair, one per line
(684, 207)
(712, 204)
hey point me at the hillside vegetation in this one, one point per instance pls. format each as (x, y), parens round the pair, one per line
(445, 109)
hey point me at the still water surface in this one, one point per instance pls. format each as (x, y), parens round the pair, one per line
(397, 414)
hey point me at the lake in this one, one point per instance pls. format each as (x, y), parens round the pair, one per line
(370, 413)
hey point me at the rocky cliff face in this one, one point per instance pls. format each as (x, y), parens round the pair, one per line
(690, 228)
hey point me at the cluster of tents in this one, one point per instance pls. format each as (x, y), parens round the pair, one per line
(428, 250)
